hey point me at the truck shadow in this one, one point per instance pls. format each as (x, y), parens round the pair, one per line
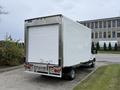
(81, 72)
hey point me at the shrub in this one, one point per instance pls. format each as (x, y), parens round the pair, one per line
(109, 47)
(105, 47)
(11, 53)
(116, 47)
(92, 46)
(97, 46)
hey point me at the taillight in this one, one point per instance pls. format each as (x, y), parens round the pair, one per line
(55, 70)
(28, 66)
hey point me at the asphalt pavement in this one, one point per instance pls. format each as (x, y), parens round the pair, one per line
(115, 58)
(19, 80)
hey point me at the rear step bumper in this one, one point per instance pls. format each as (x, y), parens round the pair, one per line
(53, 75)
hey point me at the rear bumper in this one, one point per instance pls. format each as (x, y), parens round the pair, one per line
(47, 70)
(31, 72)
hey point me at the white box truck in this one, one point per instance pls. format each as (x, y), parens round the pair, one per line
(56, 45)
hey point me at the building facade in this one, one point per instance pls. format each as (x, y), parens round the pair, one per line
(104, 30)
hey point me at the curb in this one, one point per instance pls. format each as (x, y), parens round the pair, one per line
(10, 68)
(85, 77)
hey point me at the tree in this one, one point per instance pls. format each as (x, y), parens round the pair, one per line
(93, 46)
(105, 47)
(116, 47)
(97, 46)
(2, 11)
(109, 47)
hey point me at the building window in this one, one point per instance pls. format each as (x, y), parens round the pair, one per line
(113, 34)
(118, 22)
(104, 24)
(118, 34)
(109, 24)
(96, 24)
(88, 25)
(92, 25)
(104, 34)
(84, 24)
(113, 23)
(100, 34)
(92, 35)
(109, 34)
(100, 24)
(96, 34)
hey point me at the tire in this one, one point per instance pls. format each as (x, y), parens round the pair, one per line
(92, 65)
(71, 74)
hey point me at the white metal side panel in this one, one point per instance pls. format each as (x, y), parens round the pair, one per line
(76, 43)
(43, 44)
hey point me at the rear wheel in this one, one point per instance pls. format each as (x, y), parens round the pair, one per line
(68, 73)
(71, 74)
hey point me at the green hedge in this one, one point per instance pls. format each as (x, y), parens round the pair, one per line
(105, 47)
(11, 53)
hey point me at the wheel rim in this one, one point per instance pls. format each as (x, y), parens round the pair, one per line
(72, 74)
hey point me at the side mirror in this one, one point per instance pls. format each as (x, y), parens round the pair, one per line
(94, 51)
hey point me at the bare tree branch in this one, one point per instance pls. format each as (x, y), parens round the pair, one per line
(2, 11)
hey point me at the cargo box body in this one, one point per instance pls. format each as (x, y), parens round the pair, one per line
(76, 43)
(56, 42)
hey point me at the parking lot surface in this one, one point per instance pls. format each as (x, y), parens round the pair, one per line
(115, 58)
(19, 80)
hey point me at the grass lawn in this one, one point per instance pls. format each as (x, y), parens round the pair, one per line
(105, 78)
(109, 52)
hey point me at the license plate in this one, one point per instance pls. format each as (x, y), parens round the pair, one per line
(40, 68)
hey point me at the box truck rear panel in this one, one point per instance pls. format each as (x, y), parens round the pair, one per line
(43, 42)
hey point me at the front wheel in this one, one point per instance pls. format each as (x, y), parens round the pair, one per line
(93, 63)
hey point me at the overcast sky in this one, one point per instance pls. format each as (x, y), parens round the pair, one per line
(19, 10)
